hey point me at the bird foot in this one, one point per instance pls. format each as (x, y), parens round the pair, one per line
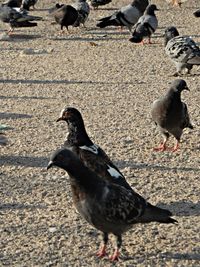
(175, 148)
(161, 147)
(102, 252)
(115, 256)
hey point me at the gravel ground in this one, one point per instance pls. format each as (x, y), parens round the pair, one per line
(113, 84)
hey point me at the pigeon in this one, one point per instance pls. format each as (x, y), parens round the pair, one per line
(17, 17)
(170, 114)
(26, 4)
(13, 3)
(65, 15)
(96, 3)
(197, 13)
(108, 207)
(91, 154)
(146, 25)
(126, 16)
(182, 50)
(83, 9)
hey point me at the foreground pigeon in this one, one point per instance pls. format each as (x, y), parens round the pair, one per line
(96, 3)
(182, 50)
(171, 114)
(65, 15)
(26, 4)
(126, 16)
(108, 207)
(197, 13)
(17, 17)
(146, 25)
(91, 154)
(83, 12)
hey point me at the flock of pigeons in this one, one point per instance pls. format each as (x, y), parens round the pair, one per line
(100, 192)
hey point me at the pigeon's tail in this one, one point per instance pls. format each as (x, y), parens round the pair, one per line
(197, 13)
(156, 214)
(24, 24)
(104, 22)
(136, 38)
(195, 60)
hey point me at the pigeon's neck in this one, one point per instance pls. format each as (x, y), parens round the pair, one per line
(174, 95)
(83, 178)
(78, 135)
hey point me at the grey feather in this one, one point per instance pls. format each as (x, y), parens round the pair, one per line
(126, 16)
(83, 12)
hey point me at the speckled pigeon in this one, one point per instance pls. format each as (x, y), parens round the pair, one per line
(127, 16)
(91, 154)
(146, 25)
(182, 50)
(108, 207)
(171, 114)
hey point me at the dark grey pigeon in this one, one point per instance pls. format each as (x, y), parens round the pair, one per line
(26, 4)
(96, 3)
(108, 207)
(13, 3)
(146, 25)
(92, 155)
(182, 50)
(127, 16)
(17, 17)
(83, 12)
(65, 15)
(170, 114)
(197, 13)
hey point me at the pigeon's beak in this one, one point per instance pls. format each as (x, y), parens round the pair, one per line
(50, 164)
(60, 119)
(157, 9)
(186, 88)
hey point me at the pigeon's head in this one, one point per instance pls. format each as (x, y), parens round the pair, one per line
(59, 5)
(70, 115)
(61, 158)
(170, 32)
(151, 9)
(179, 85)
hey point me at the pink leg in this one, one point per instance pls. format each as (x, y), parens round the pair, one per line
(102, 251)
(115, 256)
(176, 147)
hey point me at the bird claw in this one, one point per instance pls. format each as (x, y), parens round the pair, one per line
(115, 256)
(160, 148)
(102, 252)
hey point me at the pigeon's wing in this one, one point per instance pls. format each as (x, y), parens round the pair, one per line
(98, 161)
(185, 122)
(120, 205)
(130, 14)
(182, 49)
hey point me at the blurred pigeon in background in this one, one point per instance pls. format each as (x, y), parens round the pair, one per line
(197, 13)
(83, 9)
(17, 17)
(26, 4)
(146, 25)
(126, 16)
(96, 3)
